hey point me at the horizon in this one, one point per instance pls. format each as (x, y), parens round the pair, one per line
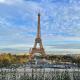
(60, 25)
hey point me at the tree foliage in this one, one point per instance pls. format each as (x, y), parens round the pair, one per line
(8, 59)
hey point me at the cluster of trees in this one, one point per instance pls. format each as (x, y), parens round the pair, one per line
(9, 59)
(64, 58)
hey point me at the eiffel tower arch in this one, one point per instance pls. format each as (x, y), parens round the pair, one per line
(38, 41)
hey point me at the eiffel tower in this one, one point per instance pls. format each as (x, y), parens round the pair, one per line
(38, 40)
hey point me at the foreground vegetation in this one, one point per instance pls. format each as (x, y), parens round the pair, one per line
(40, 75)
(8, 59)
(50, 76)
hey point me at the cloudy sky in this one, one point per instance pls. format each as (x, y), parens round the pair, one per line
(60, 25)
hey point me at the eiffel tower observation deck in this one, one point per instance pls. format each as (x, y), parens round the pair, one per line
(38, 41)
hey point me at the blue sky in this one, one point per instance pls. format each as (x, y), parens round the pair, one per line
(60, 24)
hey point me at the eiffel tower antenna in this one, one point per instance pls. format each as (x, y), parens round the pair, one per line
(38, 29)
(38, 40)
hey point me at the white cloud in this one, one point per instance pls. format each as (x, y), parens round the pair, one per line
(11, 1)
(6, 1)
(2, 1)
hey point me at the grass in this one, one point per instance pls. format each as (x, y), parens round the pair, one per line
(50, 76)
(41, 75)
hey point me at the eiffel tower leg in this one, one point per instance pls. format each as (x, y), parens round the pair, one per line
(35, 45)
(41, 46)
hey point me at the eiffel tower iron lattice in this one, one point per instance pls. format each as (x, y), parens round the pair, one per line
(38, 40)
